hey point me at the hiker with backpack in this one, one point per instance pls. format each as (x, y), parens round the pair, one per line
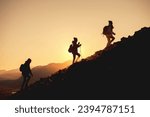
(73, 48)
(26, 73)
(108, 32)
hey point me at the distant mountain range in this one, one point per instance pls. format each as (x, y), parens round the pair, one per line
(38, 71)
(120, 71)
(11, 79)
(9, 75)
(48, 70)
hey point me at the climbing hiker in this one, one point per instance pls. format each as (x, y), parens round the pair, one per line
(73, 48)
(108, 32)
(26, 73)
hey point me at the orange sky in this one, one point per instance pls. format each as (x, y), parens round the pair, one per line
(43, 29)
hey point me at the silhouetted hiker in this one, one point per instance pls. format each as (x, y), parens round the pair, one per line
(26, 73)
(108, 32)
(74, 49)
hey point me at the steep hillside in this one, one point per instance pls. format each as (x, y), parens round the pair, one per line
(48, 70)
(120, 71)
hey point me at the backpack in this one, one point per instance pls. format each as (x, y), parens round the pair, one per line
(70, 48)
(21, 68)
(105, 30)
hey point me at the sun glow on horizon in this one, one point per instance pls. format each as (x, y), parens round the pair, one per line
(44, 29)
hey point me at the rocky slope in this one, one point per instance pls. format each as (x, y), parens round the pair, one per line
(120, 71)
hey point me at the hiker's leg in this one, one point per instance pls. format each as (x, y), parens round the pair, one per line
(78, 56)
(108, 41)
(23, 83)
(113, 38)
(27, 81)
(74, 57)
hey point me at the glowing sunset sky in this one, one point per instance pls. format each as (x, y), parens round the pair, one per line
(44, 29)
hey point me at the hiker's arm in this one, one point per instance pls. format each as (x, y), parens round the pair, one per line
(79, 44)
(31, 72)
(113, 33)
